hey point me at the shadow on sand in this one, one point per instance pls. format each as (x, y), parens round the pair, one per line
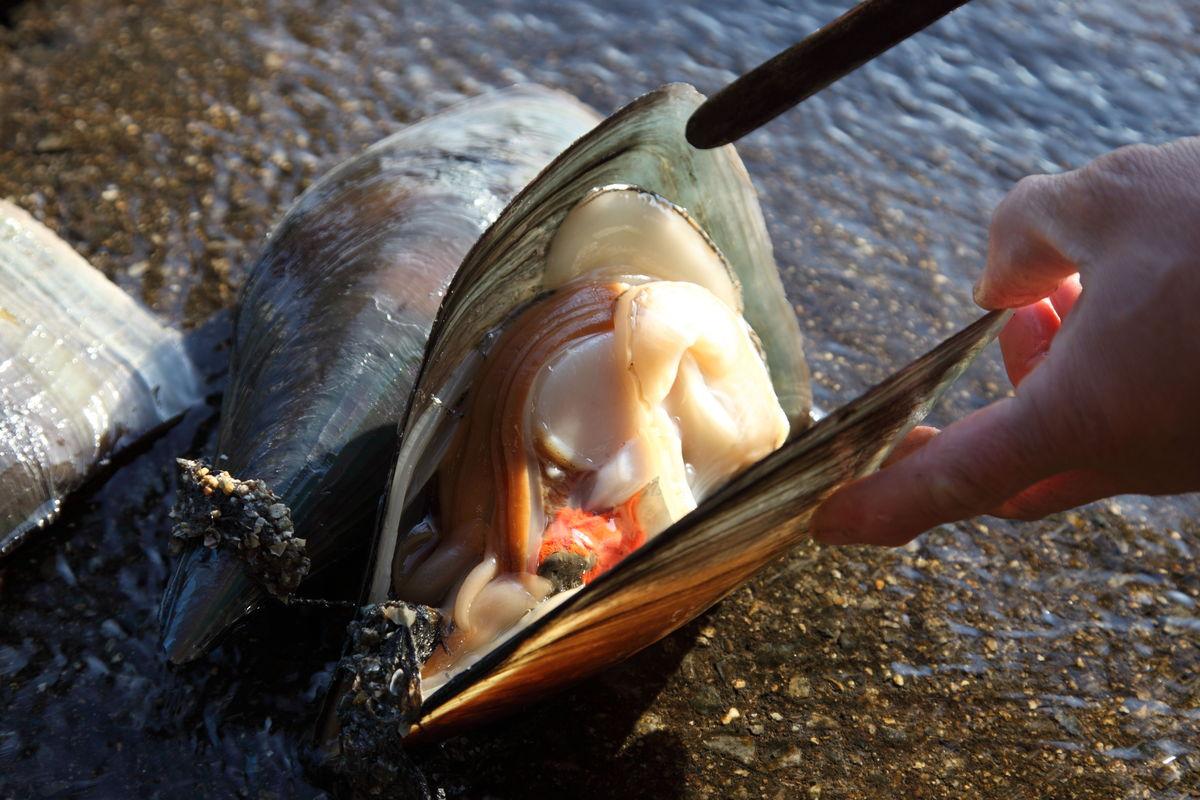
(585, 743)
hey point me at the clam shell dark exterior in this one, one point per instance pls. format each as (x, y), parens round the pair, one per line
(332, 324)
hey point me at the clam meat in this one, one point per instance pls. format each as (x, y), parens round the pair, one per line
(602, 415)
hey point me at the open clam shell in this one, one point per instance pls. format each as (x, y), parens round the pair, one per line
(330, 330)
(736, 530)
(670, 580)
(639, 146)
(84, 372)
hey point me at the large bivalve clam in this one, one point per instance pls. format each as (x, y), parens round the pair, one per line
(610, 431)
(330, 330)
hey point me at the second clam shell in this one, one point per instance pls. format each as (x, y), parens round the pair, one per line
(84, 372)
(331, 328)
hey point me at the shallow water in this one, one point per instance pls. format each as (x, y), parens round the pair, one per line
(1052, 660)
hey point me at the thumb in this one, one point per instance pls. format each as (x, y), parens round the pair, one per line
(973, 466)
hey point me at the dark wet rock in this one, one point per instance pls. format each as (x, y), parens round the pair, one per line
(829, 628)
(10, 746)
(112, 629)
(707, 700)
(792, 757)
(1068, 722)
(739, 748)
(799, 687)
(774, 654)
(14, 659)
(692, 665)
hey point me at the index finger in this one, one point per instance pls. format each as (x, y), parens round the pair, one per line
(969, 469)
(1028, 252)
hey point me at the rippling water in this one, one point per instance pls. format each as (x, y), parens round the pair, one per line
(1058, 659)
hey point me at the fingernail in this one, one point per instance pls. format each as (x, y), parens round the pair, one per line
(979, 293)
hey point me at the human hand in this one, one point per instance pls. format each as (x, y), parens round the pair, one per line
(1103, 264)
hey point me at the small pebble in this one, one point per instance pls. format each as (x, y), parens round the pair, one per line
(51, 144)
(792, 757)
(738, 748)
(799, 687)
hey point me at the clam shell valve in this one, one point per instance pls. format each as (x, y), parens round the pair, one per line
(84, 372)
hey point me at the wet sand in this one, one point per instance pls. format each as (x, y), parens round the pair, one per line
(992, 660)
